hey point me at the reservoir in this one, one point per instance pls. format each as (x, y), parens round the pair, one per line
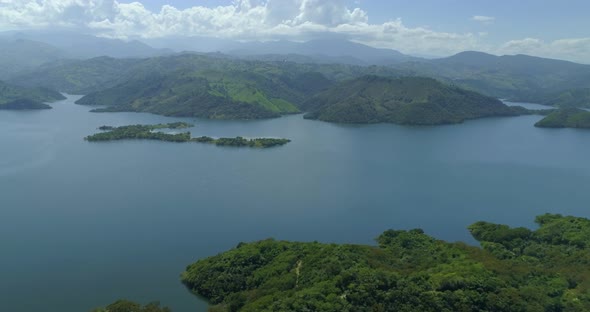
(83, 224)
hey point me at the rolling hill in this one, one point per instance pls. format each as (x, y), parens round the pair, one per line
(566, 118)
(515, 77)
(217, 94)
(13, 97)
(409, 100)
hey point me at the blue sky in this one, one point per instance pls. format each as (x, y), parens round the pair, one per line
(548, 28)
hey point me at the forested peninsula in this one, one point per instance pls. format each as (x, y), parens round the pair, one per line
(153, 132)
(19, 98)
(566, 118)
(516, 269)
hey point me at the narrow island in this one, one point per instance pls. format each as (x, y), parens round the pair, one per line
(566, 118)
(151, 132)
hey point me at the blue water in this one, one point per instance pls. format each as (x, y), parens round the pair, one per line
(83, 224)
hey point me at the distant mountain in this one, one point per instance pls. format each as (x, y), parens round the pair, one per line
(78, 77)
(320, 51)
(516, 77)
(82, 46)
(410, 100)
(339, 50)
(87, 76)
(13, 97)
(17, 55)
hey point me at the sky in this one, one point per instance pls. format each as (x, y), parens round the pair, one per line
(548, 28)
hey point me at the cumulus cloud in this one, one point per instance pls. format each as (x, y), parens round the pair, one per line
(265, 20)
(483, 19)
(242, 19)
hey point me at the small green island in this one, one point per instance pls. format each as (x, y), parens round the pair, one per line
(151, 132)
(566, 118)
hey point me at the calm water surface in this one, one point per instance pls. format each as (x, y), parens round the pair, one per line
(83, 224)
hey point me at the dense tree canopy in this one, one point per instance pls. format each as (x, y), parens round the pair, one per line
(408, 100)
(516, 269)
(566, 118)
(150, 132)
(130, 306)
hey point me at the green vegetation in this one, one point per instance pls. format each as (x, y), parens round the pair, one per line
(142, 132)
(18, 98)
(78, 77)
(516, 269)
(520, 78)
(129, 306)
(566, 118)
(149, 132)
(242, 142)
(573, 98)
(212, 86)
(220, 87)
(409, 100)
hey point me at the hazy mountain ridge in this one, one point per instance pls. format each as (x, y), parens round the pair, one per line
(18, 55)
(516, 77)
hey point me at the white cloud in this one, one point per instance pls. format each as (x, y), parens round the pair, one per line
(243, 19)
(483, 19)
(266, 20)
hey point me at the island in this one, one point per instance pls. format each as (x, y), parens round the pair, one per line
(566, 118)
(515, 269)
(151, 132)
(406, 100)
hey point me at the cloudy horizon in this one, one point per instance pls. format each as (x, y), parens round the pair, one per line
(473, 28)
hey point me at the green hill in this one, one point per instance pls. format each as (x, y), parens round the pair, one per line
(217, 95)
(569, 98)
(78, 77)
(516, 77)
(87, 76)
(409, 100)
(566, 118)
(13, 97)
(516, 269)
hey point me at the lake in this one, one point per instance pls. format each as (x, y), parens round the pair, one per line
(83, 224)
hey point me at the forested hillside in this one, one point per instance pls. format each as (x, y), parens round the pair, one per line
(516, 269)
(14, 97)
(409, 100)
